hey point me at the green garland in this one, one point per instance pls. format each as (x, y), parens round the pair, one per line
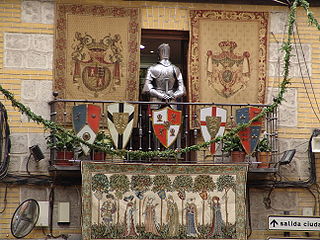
(170, 153)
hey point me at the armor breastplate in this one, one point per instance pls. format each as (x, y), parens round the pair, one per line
(162, 74)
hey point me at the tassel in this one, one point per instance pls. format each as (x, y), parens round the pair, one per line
(246, 66)
(116, 73)
(209, 64)
(77, 71)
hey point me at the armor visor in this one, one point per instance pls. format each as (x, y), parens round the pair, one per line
(164, 51)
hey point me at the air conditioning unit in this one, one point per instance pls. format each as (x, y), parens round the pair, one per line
(315, 144)
(43, 220)
(63, 212)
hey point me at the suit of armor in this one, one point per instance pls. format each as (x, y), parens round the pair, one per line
(164, 80)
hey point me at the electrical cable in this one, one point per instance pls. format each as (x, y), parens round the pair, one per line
(317, 188)
(294, 184)
(315, 198)
(307, 70)
(51, 205)
(5, 142)
(27, 164)
(5, 201)
(278, 1)
(248, 214)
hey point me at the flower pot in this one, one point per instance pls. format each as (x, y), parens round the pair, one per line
(237, 156)
(264, 158)
(63, 157)
(98, 156)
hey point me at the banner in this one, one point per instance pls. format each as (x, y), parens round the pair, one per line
(153, 201)
(227, 57)
(95, 59)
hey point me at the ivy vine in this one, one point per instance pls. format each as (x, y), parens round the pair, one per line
(171, 153)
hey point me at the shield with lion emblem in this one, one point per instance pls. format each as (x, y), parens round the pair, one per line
(212, 122)
(166, 124)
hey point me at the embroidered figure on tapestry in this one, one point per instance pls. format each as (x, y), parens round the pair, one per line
(228, 72)
(163, 206)
(96, 63)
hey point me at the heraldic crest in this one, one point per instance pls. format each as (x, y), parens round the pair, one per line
(86, 123)
(249, 136)
(212, 124)
(166, 124)
(96, 63)
(227, 72)
(120, 117)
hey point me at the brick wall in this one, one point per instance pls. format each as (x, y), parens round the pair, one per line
(26, 49)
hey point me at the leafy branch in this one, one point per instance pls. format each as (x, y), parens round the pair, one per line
(138, 154)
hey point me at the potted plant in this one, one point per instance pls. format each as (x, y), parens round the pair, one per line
(232, 145)
(263, 153)
(64, 146)
(102, 140)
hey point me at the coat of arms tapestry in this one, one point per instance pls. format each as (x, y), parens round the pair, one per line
(97, 52)
(227, 56)
(153, 201)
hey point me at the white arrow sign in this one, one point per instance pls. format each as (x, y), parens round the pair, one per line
(294, 223)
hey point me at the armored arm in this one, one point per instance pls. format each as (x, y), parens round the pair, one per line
(181, 90)
(149, 87)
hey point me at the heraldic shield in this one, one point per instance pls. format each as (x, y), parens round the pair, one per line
(213, 123)
(86, 122)
(120, 123)
(166, 124)
(249, 137)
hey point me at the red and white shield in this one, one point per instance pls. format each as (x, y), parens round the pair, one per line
(213, 122)
(166, 124)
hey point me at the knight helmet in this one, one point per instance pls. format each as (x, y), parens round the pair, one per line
(164, 51)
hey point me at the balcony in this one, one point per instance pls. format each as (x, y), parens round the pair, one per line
(143, 137)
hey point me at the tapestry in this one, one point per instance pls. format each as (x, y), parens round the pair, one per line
(97, 52)
(172, 201)
(227, 56)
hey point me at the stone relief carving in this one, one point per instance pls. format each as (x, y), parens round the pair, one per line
(28, 51)
(300, 62)
(288, 108)
(37, 12)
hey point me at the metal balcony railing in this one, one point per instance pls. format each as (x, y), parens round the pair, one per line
(143, 137)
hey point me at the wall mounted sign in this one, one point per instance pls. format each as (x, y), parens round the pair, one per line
(294, 223)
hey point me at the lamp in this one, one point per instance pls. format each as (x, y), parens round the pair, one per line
(287, 157)
(37, 154)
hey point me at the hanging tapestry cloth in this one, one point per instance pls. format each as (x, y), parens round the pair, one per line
(227, 56)
(97, 52)
(153, 201)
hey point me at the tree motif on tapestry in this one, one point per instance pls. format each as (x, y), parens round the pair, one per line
(120, 184)
(182, 184)
(161, 184)
(140, 184)
(203, 184)
(227, 72)
(100, 185)
(226, 183)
